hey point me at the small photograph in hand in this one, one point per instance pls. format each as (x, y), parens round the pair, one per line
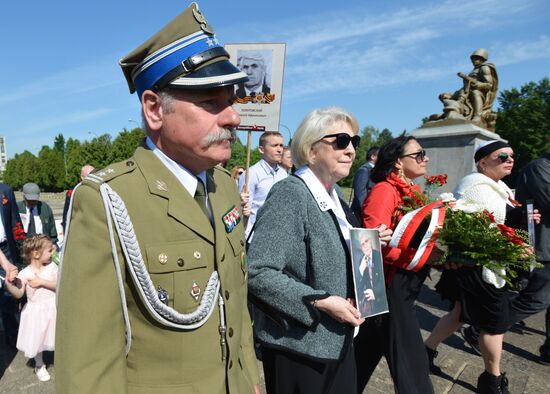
(368, 272)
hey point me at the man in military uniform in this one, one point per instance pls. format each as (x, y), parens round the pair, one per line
(152, 294)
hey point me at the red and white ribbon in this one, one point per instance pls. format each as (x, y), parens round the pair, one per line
(409, 224)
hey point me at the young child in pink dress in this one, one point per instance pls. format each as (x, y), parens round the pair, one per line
(38, 281)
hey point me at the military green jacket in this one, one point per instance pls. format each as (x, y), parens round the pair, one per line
(180, 249)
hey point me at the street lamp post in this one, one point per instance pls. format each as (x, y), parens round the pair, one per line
(288, 130)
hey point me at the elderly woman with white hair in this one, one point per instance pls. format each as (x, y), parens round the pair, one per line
(300, 273)
(479, 294)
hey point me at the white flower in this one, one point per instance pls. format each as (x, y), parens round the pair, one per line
(447, 197)
(466, 206)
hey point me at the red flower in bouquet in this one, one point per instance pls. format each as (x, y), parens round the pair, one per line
(510, 233)
(18, 231)
(436, 180)
(412, 196)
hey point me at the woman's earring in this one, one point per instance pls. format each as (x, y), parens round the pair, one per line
(400, 173)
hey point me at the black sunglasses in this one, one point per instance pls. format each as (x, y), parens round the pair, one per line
(503, 157)
(418, 156)
(343, 139)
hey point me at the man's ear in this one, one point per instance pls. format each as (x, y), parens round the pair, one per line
(152, 110)
(261, 149)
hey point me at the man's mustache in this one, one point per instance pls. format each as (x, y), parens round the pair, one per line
(225, 134)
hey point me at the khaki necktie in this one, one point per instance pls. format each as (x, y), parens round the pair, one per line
(200, 197)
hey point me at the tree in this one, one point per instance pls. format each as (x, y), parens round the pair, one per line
(125, 144)
(51, 169)
(524, 120)
(75, 161)
(23, 168)
(96, 152)
(59, 143)
(370, 137)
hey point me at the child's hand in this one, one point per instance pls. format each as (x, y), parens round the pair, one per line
(35, 282)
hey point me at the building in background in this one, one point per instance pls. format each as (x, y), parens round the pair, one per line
(3, 154)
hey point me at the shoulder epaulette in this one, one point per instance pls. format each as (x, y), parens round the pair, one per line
(110, 172)
(223, 170)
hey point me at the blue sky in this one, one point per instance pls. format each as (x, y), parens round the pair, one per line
(385, 61)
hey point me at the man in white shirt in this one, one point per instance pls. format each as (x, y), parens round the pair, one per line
(263, 175)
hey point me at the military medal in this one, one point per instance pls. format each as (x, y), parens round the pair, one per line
(195, 291)
(231, 219)
(163, 295)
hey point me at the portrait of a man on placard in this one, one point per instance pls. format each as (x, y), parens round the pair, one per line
(368, 273)
(257, 66)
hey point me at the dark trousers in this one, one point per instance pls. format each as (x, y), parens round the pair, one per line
(9, 306)
(396, 335)
(533, 299)
(289, 373)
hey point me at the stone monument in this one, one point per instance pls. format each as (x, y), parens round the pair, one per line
(451, 138)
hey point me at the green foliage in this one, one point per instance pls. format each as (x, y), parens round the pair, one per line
(58, 167)
(524, 120)
(51, 169)
(21, 169)
(238, 155)
(125, 144)
(370, 137)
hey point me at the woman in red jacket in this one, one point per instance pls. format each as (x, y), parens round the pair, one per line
(396, 335)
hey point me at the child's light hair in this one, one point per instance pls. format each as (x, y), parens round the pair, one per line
(34, 242)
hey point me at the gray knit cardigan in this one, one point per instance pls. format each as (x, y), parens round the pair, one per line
(279, 274)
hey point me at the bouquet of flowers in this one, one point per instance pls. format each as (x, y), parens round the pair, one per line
(470, 236)
(466, 233)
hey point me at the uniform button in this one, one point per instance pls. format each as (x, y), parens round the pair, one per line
(130, 163)
(226, 295)
(197, 254)
(230, 364)
(163, 258)
(181, 262)
(242, 242)
(230, 332)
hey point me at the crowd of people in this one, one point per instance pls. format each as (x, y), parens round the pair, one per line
(168, 257)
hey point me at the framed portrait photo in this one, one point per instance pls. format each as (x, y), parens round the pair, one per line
(368, 272)
(258, 100)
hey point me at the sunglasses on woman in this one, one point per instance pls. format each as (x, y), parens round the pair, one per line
(504, 157)
(343, 139)
(418, 156)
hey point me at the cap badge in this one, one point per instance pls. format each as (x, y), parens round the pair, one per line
(195, 291)
(199, 17)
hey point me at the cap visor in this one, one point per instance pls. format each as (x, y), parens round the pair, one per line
(222, 73)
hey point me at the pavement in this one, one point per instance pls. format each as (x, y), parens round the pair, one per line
(459, 363)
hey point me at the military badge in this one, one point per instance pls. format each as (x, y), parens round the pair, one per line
(199, 17)
(195, 291)
(231, 219)
(163, 295)
(161, 185)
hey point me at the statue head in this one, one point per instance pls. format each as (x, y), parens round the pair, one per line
(479, 56)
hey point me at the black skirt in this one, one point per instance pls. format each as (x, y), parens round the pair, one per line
(482, 304)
